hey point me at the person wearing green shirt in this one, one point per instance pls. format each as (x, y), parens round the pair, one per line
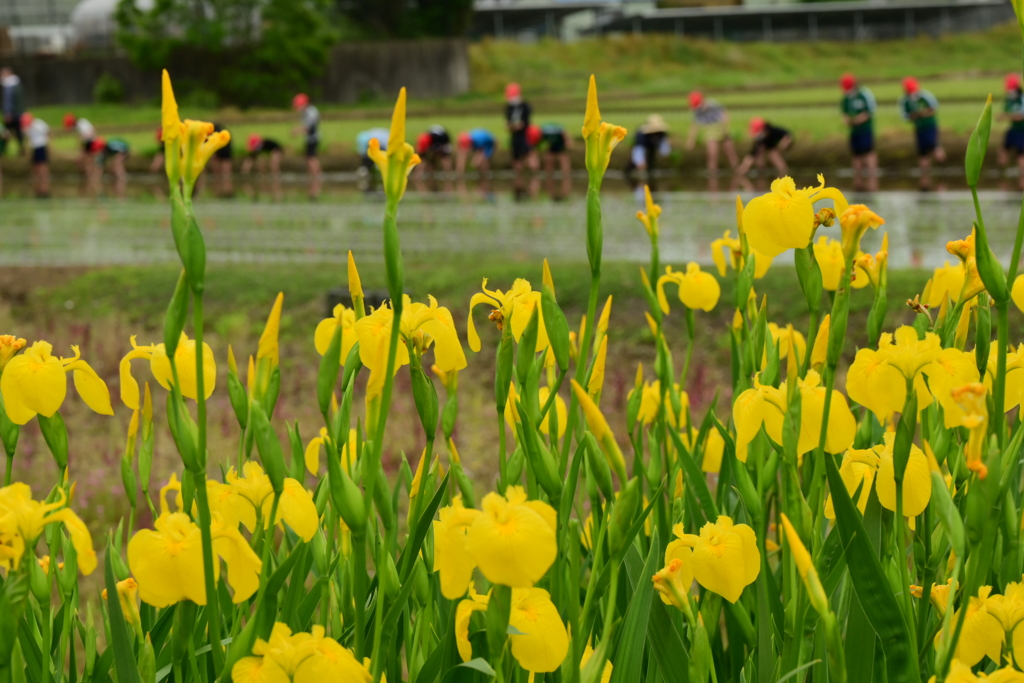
(858, 107)
(1013, 111)
(919, 107)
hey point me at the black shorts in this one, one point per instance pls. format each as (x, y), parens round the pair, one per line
(87, 145)
(1014, 141)
(555, 143)
(520, 147)
(927, 140)
(40, 155)
(311, 147)
(862, 142)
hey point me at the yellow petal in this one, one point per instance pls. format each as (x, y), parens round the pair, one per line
(243, 564)
(168, 562)
(268, 347)
(171, 124)
(91, 388)
(81, 539)
(462, 616)
(297, 509)
(545, 643)
(33, 383)
(258, 670)
(512, 544)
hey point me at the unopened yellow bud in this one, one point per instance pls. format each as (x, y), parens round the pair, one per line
(268, 346)
(820, 349)
(547, 279)
(355, 285)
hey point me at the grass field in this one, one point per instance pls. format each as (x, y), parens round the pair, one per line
(791, 84)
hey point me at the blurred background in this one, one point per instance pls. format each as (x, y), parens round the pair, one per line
(720, 97)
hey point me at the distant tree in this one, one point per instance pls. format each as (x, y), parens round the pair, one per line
(247, 51)
(408, 18)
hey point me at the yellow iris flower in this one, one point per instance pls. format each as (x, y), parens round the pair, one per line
(731, 246)
(1014, 376)
(854, 222)
(829, 255)
(868, 269)
(35, 383)
(255, 492)
(946, 281)
(950, 369)
(971, 399)
(167, 560)
(767, 405)
(697, 289)
(128, 596)
(397, 162)
(650, 217)
(542, 642)
(600, 137)
(784, 218)
(517, 305)
(877, 379)
(188, 144)
(23, 520)
(784, 339)
(875, 466)
(9, 346)
(299, 658)
(724, 556)
(345, 318)
(982, 634)
(512, 541)
(422, 325)
(160, 366)
(673, 581)
(965, 251)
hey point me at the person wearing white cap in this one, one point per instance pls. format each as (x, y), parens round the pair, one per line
(650, 142)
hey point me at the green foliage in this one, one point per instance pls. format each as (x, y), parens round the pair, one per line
(243, 52)
(405, 19)
(108, 90)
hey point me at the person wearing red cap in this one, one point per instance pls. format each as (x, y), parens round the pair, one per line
(517, 119)
(858, 107)
(87, 140)
(310, 128)
(769, 142)
(919, 106)
(434, 146)
(477, 147)
(711, 121)
(259, 148)
(1013, 111)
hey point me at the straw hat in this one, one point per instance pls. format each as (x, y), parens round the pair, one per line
(655, 124)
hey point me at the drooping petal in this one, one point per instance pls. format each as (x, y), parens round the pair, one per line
(917, 482)
(81, 539)
(471, 333)
(875, 384)
(244, 565)
(544, 643)
(463, 613)
(91, 388)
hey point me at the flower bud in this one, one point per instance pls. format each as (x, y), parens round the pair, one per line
(978, 145)
(56, 436)
(269, 447)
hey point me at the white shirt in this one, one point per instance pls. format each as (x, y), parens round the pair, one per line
(38, 134)
(86, 131)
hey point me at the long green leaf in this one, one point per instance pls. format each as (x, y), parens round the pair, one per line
(695, 480)
(124, 655)
(872, 587)
(412, 548)
(667, 645)
(629, 655)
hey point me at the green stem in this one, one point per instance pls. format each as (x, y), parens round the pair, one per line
(202, 502)
(999, 388)
(359, 590)
(7, 473)
(502, 481)
(691, 333)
